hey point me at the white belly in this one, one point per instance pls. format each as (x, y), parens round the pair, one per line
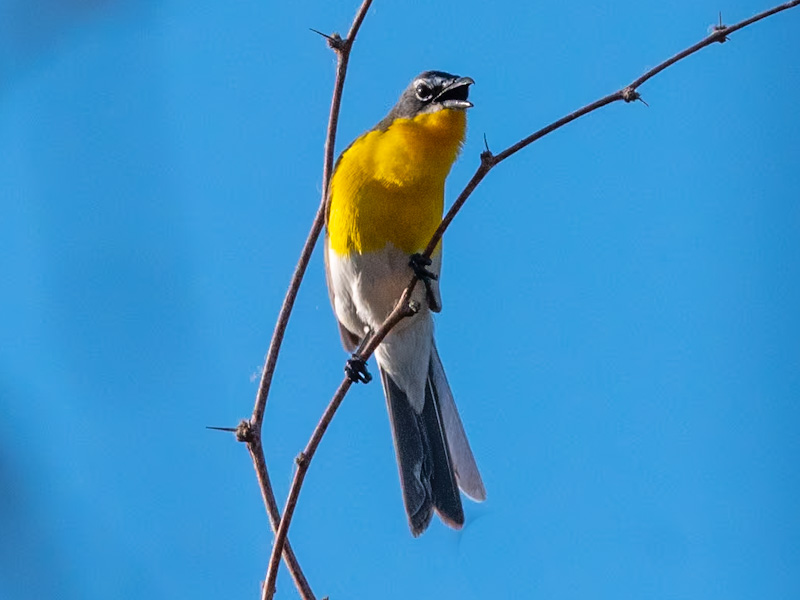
(366, 287)
(365, 290)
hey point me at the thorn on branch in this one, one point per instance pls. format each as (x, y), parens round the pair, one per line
(629, 94)
(335, 41)
(719, 30)
(488, 160)
(325, 35)
(486, 143)
(244, 432)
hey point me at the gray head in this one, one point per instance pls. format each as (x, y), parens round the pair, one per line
(430, 91)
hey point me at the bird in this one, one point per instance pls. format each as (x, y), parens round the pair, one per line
(385, 200)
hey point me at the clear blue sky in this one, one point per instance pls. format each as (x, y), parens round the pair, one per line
(621, 321)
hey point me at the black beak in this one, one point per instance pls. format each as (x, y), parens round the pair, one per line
(454, 95)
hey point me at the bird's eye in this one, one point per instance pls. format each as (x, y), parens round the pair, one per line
(424, 92)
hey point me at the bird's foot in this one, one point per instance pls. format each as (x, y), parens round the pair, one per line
(356, 369)
(419, 263)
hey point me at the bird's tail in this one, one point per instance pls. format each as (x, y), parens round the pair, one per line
(433, 455)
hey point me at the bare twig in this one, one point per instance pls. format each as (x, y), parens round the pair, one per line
(250, 431)
(404, 307)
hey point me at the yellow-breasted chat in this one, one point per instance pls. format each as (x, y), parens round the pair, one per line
(385, 200)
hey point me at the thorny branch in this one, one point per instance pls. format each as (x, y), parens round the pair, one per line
(249, 431)
(404, 306)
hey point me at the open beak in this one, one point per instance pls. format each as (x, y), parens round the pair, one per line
(455, 94)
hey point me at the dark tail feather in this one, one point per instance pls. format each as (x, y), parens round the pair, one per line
(446, 498)
(423, 458)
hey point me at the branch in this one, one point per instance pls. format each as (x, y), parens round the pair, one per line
(250, 431)
(342, 48)
(401, 310)
(626, 94)
(405, 307)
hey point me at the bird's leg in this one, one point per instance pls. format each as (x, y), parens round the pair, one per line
(419, 263)
(356, 367)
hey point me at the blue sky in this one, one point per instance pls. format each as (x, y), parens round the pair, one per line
(620, 327)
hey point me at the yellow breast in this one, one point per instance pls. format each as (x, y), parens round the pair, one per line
(388, 186)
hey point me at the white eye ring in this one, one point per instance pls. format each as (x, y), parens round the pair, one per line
(423, 91)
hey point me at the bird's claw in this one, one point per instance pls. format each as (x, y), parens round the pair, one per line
(419, 263)
(356, 369)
